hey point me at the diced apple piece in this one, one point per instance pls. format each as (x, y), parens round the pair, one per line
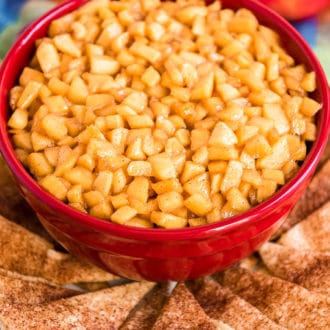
(309, 107)
(204, 88)
(199, 138)
(266, 190)
(162, 166)
(123, 214)
(275, 175)
(278, 157)
(223, 153)
(191, 170)
(198, 185)
(258, 147)
(277, 114)
(198, 204)
(168, 221)
(139, 189)
(170, 201)
(222, 134)
(232, 177)
(245, 132)
(237, 200)
(164, 186)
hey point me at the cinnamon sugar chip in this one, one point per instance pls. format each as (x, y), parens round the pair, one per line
(253, 262)
(221, 304)
(145, 316)
(308, 269)
(19, 291)
(326, 155)
(14, 207)
(313, 233)
(316, 194)
(182, 311)
(29, 254)
(11, 274)
(94, 286)
(105, 309)
(287, 304)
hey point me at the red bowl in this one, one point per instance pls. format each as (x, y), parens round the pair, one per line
(162, 254)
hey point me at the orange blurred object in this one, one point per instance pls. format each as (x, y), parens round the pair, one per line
(297, 9)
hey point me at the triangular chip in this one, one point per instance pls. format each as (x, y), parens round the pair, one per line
(316, 194)
(325, 156)
(221, 304)
(308, 269)
(14, 207)
(96, 286)
(287, 304)
(105, 309)
(8, 273)
(29, 254)
(253, 262)
(182, 311)
(144, 317)
(313, 233)
(19, 291)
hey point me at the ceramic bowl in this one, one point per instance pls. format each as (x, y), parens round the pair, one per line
(162, 254)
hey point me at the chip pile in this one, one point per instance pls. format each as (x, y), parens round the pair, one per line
(283, 286)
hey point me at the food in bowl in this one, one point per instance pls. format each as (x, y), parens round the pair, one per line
(162, 114)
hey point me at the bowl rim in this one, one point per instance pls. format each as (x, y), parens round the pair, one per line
(159, 234)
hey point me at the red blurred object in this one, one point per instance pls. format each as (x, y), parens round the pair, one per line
(297, 9)
(160, 254)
